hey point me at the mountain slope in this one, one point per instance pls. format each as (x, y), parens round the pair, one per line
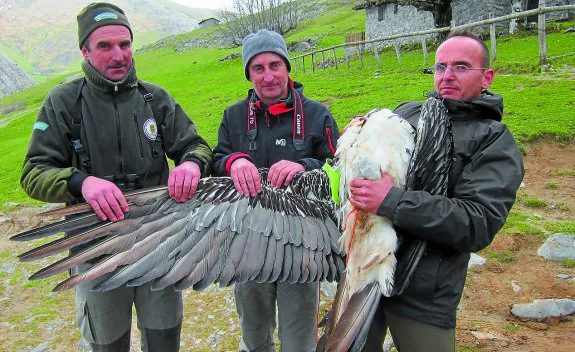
(34, 28)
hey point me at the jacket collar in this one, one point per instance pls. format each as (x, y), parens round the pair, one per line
(101, 84)
(486, 106)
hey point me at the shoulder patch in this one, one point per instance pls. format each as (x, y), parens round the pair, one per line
(151, 129)
(42, 126)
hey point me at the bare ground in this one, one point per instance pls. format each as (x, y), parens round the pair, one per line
(32, 317)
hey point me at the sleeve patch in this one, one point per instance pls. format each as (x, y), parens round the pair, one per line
(42, 126)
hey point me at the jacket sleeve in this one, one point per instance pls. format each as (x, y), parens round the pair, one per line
(47, 166)
(482, 197)
(324, 147)
(224, 154)
(181, 141)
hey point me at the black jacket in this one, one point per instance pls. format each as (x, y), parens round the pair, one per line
(274, 140)
(485, 176)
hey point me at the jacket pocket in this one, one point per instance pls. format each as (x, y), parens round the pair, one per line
(84, 322)
(424, 280)
(137, 129)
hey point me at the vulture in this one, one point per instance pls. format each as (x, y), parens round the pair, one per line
(218, 236)
(379, 259)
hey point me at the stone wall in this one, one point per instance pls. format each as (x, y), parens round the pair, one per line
(468, 11)
(396, 19)
(389, 19)
(562, 15)
(12, 78)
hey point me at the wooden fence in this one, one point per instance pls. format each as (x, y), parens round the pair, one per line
(540, 12)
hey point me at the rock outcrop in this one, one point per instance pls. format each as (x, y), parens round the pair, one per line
(12, 78)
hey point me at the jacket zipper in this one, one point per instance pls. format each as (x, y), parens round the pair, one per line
(119, 131)
(138, 135)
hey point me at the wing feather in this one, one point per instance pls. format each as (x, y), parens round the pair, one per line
(217, 236)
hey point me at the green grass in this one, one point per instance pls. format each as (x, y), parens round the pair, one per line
(569, 263)
(536, 105)
(552, 185)
(535, 203)
(564, 173)
(505, 256)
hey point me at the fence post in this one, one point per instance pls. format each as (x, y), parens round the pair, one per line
(360, 56)
(312, 62)
(542, 33)
(493, 39)
(323, 59)
(334, 58)
(295, 67)
(398, 52)
(425, 53)
(376, 53)
(303, 63)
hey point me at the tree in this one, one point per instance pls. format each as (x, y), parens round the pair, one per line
(248, 16)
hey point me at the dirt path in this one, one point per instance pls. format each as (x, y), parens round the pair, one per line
(30, 316)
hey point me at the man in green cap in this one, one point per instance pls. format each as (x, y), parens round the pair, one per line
(100, 135)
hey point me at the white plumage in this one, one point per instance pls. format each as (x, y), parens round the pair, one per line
(381, 142)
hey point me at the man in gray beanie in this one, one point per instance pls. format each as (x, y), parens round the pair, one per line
(121, 129)
(276, 127)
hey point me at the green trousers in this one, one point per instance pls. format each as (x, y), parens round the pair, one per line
(106, 317)
(297, 307)
(408, 335)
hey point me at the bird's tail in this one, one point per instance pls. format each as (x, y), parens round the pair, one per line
(350, 319)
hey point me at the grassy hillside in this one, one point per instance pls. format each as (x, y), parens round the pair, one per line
(536, 104)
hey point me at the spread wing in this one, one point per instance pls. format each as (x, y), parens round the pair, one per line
(218, 236)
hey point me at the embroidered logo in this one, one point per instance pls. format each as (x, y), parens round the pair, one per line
(42, 126)
(281, 142)
(151, 129)
(105, 15)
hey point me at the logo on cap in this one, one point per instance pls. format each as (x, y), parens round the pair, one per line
(106, 16)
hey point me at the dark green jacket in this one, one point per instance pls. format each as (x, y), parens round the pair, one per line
(119, 131)
(484, 179)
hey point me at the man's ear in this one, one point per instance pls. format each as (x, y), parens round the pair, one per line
(487, 79)
(85, 53)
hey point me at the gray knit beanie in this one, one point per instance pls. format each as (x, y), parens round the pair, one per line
(99, 14)
(260, 42)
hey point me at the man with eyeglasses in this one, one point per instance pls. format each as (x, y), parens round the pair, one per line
(485, 173)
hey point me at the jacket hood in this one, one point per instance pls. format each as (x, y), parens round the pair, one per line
(486, 106)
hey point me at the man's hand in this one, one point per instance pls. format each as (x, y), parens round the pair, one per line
(283, 172)
(369, 194)
(105, 198)
(246, 177)
(183, 181)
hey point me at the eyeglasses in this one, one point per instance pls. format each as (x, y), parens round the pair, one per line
(458, 70)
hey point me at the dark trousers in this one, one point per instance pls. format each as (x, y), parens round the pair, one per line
(408, 335)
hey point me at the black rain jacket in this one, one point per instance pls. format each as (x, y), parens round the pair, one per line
(486, 173)
(274, 140)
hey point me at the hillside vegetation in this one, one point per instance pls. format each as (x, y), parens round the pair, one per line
(536, 104)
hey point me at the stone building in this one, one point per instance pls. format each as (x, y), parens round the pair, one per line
(208, 22)
(389, 17)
